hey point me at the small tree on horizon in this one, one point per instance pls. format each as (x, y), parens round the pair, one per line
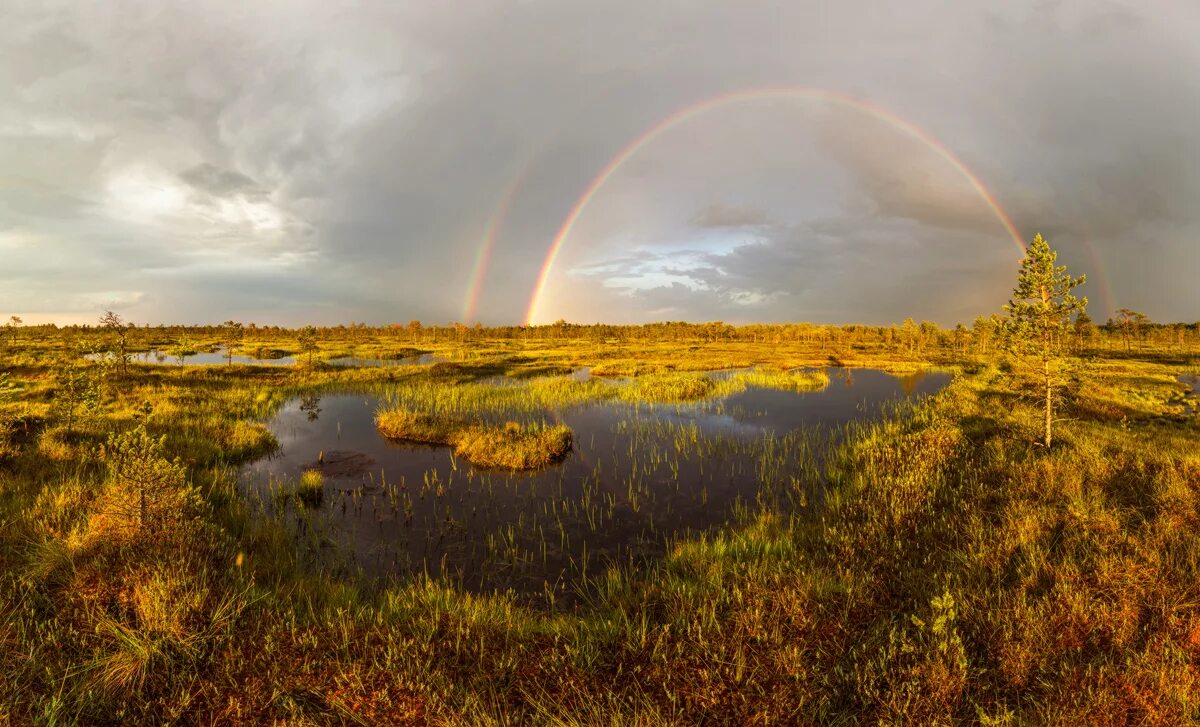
(1130, 323)
(1085, 329)
(1040, 314)
(14, 322)
(308, 341)
(231, 336)
(120, 350)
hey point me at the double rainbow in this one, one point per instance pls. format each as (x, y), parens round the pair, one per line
(701, 107)
(690, 112)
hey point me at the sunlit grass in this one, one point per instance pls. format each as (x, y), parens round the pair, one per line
(310, 490)
(512, 445)
(951, 573)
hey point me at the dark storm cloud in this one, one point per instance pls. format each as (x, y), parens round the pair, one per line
(309, 162)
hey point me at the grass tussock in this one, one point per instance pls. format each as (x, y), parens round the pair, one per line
(513, 446)
(786, 380)
(310, 489)
(670, 388)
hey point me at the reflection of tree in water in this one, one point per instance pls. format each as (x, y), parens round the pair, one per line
(310, 404)
(847, 377)
(911, 381)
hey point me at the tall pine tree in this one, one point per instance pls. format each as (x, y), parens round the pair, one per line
(1040, 314)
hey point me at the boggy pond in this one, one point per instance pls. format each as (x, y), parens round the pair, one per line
(219, 356)
(638, 476)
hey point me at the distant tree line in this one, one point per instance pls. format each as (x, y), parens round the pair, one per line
(1126, 331)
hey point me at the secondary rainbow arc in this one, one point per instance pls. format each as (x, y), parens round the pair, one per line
(483, 257)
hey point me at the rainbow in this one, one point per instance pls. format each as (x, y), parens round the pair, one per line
(764, 92)
(483, 258)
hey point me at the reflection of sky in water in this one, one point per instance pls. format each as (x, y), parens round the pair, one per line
(852, 395)
(217, 357)
(616, 444)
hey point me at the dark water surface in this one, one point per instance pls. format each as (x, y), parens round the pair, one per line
(218, 357)
(639, 475)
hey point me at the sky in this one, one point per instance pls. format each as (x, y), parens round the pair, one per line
(311, 162)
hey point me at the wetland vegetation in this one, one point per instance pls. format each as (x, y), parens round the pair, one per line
(668, 524)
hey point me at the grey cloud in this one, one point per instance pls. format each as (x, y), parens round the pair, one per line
(721, 215)
(354, 160)
(217, 181)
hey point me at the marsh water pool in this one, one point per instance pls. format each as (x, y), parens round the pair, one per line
(218, 357)
(638, 476)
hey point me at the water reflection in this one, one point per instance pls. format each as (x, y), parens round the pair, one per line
(638, 476)
(264, 357)
(310, 405)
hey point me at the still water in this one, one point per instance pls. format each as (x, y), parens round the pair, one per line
(218, 357)
(639, 476)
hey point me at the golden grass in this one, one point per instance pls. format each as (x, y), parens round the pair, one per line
(310, 489)
(786, 380)
(513, 446)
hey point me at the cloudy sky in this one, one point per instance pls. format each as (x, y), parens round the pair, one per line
(288, 162)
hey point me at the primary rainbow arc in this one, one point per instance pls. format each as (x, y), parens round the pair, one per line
(695, 109)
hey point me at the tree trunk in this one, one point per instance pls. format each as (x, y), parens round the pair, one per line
(1049, 409)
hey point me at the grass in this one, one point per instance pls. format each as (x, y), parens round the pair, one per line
(954, 572)
(310, 490)
(786, 380)
(512, 446)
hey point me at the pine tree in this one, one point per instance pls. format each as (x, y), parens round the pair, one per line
(1040, 313)
(231, 336)
(308, 342)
